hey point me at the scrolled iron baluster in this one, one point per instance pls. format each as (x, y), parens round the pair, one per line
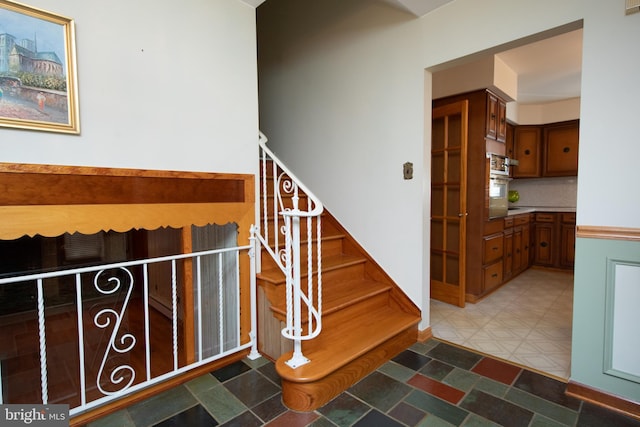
(127, 341)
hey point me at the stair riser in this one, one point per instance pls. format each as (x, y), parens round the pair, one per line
(346, 273)
(340, 318)
(329, 247)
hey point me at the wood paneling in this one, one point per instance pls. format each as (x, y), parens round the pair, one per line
(51, 200)
(83, 186)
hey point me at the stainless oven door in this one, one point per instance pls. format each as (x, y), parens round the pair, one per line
(498, 190)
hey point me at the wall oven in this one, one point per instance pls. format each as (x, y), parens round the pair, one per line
(498, 186)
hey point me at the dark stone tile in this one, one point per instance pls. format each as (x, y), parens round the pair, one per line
(436, 369)
(230, 371)
(380, 391)
(411, 360)
(270, 408)
(251, 388)
(546, 388)
(596, 416)
(161, 406)
(446, 411)
(407, 414)
(540, 406)
(246, 419)
(196, 416)
(454, 356)
(344, 410)
(376, 419)
(497, 410)
(269, 371)
(320, 422)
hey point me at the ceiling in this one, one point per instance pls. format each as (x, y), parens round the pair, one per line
(548, 70)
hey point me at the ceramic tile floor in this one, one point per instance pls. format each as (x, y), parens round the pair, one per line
(527, 321)
(430, 384)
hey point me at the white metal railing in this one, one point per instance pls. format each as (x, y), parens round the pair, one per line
(287, 208)
(104, 297)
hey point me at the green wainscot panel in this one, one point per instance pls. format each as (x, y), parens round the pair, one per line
(605, 352)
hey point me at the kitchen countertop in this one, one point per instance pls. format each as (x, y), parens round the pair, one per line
(529, 209)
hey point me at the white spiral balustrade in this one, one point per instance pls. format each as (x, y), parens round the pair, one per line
(280, 236)
(116, 377)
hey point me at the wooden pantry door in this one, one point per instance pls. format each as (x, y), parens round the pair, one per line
(449, 202)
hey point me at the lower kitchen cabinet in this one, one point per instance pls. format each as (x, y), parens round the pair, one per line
(517, 245)
(554, 240)
(545, 239)
(492, 263)
(567, 240)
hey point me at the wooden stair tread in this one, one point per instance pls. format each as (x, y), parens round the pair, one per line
(348, 293)
(335, 348)
(333, 262)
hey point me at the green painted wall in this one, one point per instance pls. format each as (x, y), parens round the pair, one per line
(594, 261)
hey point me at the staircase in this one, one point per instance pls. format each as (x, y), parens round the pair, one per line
(366, 318)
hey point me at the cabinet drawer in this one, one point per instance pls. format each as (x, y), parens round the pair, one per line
(521, 219)
(492, 275)
(545, 217)
(493, 226)
(493, 248)
(508, 222)
(569, 217)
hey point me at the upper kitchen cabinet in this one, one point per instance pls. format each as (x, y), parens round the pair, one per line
(526, 150)
(546, 150)
(496, 119)
(561, 149)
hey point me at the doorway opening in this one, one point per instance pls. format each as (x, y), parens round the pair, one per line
(527, 318)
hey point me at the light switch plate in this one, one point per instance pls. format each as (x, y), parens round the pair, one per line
(407, 170)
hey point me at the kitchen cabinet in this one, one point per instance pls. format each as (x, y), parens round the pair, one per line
(545, 236)
(496, 118)
(493, 251)
(526, 150)
(517, 245)
(554, 240)
(560, 145)
(567, 240)
(546, 150)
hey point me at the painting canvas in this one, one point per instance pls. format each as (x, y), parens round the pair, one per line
(38, 88)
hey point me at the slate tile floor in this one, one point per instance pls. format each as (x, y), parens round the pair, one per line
(430, 384)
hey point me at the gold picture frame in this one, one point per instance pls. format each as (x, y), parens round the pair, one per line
(38, 86)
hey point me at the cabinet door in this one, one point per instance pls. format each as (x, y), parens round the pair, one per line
(501, 134)
(526, 247)
(508, 254)
(517, 249)
(568, 240)
(492, 116)
(561, 149)
(526, 142)
(544, 244)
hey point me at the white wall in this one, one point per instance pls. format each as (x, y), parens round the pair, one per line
(162, 85)
(341, 90)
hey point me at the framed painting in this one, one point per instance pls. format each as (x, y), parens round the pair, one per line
(38, 87)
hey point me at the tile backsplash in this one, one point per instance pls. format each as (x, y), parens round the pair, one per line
(546, 192)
